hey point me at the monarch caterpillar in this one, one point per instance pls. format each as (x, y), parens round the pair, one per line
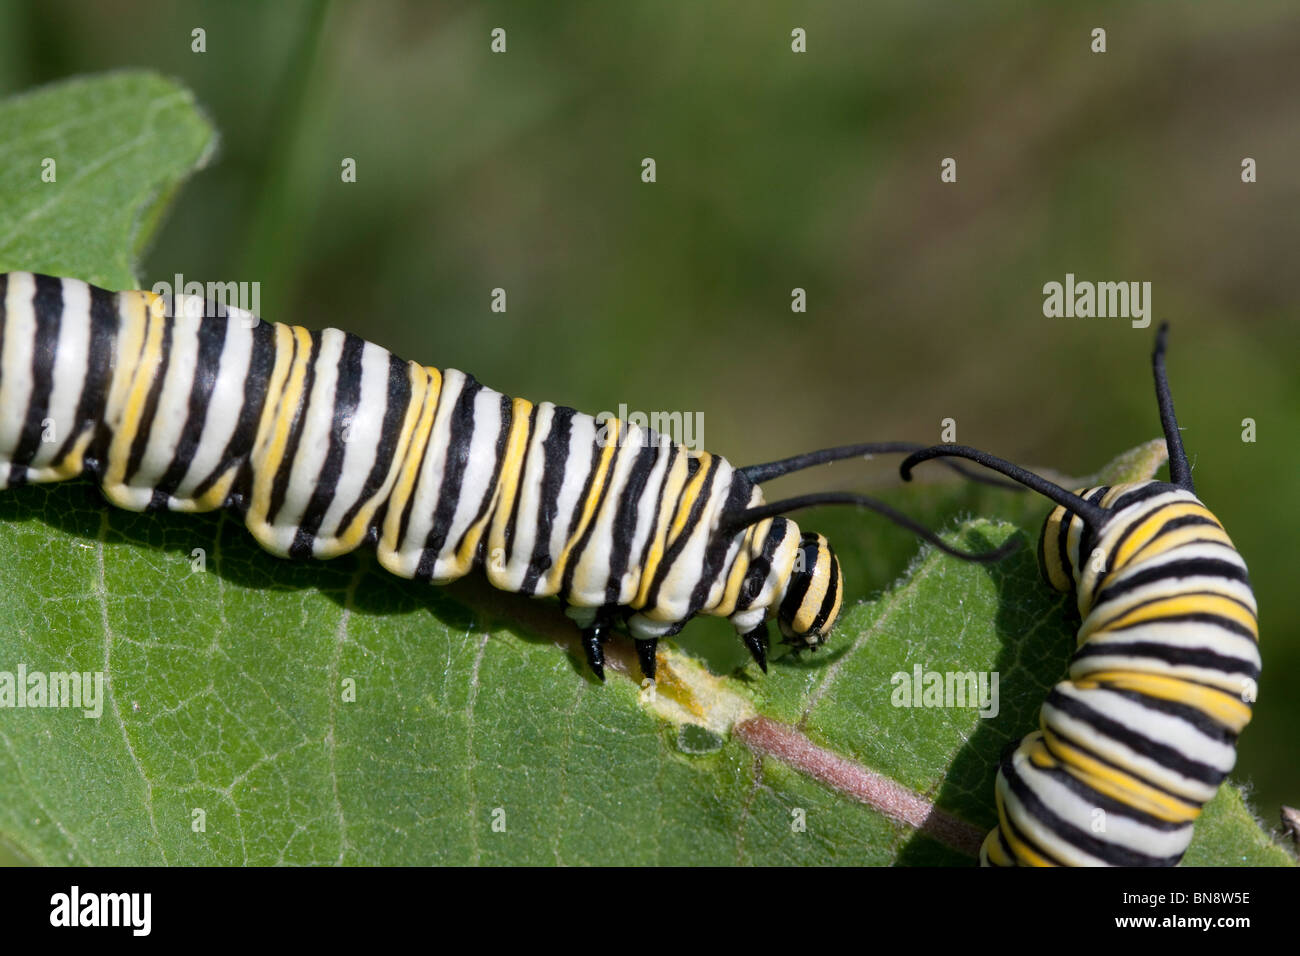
(324, 442)
(1139, 736)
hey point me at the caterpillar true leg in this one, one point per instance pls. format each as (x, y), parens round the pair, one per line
(757, 643)
(645, 654)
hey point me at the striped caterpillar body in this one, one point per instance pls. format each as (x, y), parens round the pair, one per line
(1142, 732)
(324, 442)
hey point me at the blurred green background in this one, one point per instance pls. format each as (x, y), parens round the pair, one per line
(776, 170)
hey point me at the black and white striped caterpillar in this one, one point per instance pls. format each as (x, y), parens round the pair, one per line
(324, 442)
(1138, 738)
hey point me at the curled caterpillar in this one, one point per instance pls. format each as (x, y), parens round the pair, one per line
(1138, 738)
(323, 442)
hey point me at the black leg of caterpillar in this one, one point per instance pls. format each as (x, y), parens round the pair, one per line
(757, 642)
(645, 652)
(592, 640)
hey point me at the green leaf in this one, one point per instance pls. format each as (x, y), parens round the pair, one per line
(265, 711)
(115, 147)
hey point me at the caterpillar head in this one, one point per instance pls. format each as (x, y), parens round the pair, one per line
(813, 593)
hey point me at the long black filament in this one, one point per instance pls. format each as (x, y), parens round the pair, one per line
(775, 469)
(1180, 470)
(1094, 515)
(751, 515)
